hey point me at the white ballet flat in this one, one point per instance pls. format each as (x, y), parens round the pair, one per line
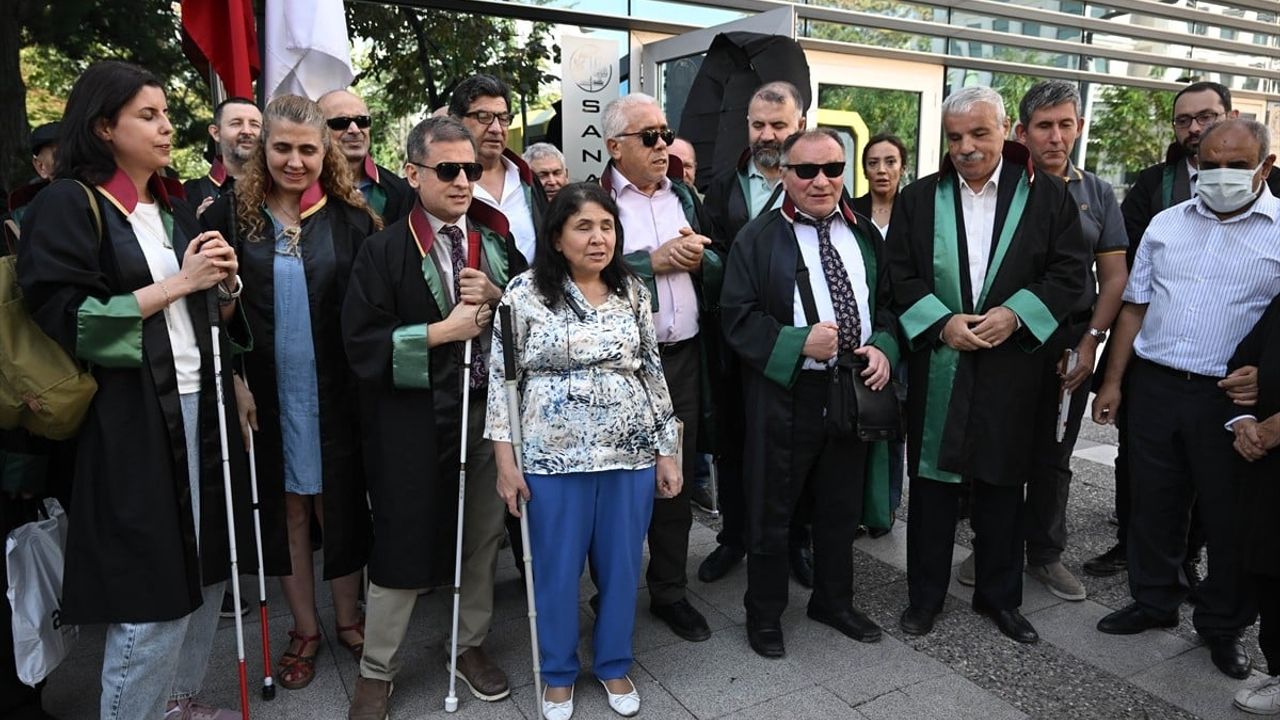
(557, 710)
(625, 704)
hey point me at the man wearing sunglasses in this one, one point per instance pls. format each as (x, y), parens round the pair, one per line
(987, 257)
(349, 123)
(482, 103)
(734, 198)
(807, 286)
(413, 301)
(667, 247)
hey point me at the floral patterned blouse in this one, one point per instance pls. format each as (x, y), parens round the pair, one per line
(592, 393)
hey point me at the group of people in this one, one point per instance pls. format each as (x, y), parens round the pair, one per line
(652, 322)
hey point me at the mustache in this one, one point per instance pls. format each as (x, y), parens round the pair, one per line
(975, 156)
(767, 153)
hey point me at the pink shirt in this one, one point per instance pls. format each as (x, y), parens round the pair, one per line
(647, 222)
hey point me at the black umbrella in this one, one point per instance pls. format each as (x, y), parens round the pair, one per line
(714, 119)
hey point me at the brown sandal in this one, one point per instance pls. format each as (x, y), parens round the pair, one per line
(356, 648)
(298, 670)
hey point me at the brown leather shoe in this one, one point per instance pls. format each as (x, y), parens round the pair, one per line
(370, 701)
(486, 680)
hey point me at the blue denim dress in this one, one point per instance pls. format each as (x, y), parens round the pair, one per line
(297, 389)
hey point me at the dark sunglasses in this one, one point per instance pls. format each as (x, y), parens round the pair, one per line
(650, 137)
(809, 171)
(342, 122)
(447, 171)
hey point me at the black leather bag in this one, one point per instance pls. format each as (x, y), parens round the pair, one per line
(853, 409)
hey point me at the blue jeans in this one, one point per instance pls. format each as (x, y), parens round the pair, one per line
(604, 515)
(146, 664)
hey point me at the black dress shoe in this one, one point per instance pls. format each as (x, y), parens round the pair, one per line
(849, 621)
(1115, 560)
(683, 619)
(802, 565)
(917, 620)
(765, 638)
(1011, 623)
(1229, 656)
(1133, 619)
(720, 562)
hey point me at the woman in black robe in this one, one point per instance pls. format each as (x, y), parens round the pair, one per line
(114, 267)
(298, 221)
(1257, 436)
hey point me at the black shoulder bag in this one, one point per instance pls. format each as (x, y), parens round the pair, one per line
(852, 407)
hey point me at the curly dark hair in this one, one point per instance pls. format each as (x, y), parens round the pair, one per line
(550, 268)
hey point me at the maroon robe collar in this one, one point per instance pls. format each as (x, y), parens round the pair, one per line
(120, 190)
(217, 172)
(371, 169)
(425, 237)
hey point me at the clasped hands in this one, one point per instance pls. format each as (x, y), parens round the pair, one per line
(1255, 439)
(682, 253)
(823, 342)
(979, 332)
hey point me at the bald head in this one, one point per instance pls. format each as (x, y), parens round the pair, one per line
(688, 158)
(352, 137)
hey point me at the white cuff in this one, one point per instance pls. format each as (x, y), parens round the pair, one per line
(1237, 419)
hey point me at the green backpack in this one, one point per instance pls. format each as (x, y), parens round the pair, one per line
(42, 388)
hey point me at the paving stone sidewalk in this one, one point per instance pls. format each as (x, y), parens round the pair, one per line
(963, 670)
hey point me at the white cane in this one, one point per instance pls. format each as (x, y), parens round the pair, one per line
(215, 331)
(517, 446)
(451, 701)
(268, 683)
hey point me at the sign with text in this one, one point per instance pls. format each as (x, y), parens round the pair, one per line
(590, 82)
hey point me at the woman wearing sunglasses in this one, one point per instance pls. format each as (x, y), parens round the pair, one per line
(298, 222)
(600, 437)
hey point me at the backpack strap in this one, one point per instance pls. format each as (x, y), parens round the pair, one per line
(93, 207)
(11, 235)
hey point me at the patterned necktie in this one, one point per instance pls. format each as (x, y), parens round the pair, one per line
(842, 300)
(479, 359)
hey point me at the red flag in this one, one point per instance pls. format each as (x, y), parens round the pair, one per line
(223, 36)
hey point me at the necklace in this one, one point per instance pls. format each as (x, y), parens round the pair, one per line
(290, 230)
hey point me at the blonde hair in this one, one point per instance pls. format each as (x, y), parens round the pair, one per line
(335, 175)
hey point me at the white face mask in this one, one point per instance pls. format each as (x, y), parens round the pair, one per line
(1226, 190)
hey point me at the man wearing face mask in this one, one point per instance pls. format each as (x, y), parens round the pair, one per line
(1205, 271)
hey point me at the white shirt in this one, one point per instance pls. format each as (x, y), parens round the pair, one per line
(443, 250)
(979, 209)
(163, 263)
(846, 245)
(1193, 174)
(518, 213)
(647, 222)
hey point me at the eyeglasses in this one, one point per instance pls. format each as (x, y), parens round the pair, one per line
(447, 171)
(486, 118)
(809, 171)
(650, 137)
(1182, 122)
(342, 122)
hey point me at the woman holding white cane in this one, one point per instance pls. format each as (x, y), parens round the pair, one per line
(115, 268)
(599, 436)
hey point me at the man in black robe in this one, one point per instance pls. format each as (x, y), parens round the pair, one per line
(411, 305)
(787, 342)
(986, 257)
(236, 131)
(349, 122)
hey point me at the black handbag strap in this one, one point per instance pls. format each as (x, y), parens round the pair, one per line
(773, 198)
(806, 288)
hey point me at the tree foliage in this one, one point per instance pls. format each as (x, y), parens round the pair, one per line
(1130, 129)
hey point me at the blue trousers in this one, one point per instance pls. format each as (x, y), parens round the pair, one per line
(604, 515)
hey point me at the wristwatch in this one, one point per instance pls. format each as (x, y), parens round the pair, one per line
(1099, 335)
(225, 297)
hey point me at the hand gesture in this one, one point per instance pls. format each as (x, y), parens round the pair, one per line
(996, 325)
(957, 335)
(680, 253)
(877, 372)
(822, 342)
(1248, 441)
(208, 261)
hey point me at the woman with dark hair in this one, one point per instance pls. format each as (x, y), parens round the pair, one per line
(883, 159)
(298, 222)
(115, 268)
(599, 436)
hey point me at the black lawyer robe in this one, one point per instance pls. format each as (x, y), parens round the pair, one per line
(131, 550)
(327, 256)
(411, 435)
(758, 314)
(1259, 499)
(989, 421)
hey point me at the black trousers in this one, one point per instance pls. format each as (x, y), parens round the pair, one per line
(1049, 486)
(731, 429)
(1267, 590)
(672, 517)
(831, 472)
(1179, 452)
(996, 517)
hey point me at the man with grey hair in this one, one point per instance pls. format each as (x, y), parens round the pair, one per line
(1049, 121)
(547, 163)
(1205, 271)
(412, 301)
(750, 189)
(668, 248)
(986, 258)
